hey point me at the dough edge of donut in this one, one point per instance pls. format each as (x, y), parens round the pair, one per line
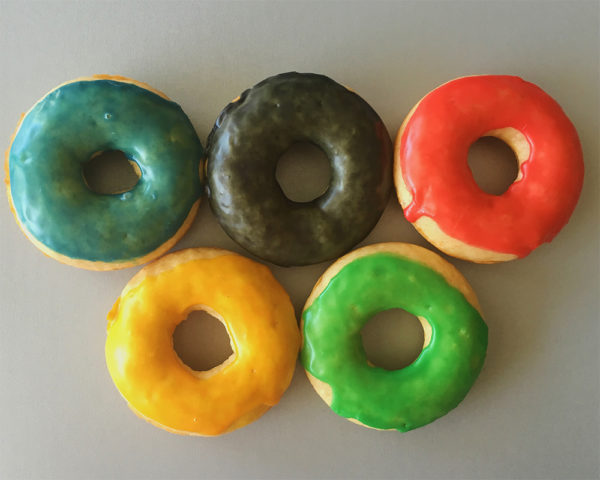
(89, 264)
(426, 226)
(413, 252)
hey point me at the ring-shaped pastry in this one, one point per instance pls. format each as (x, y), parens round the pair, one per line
(436, 187)
(75, 122)
(255, 130)
(257, 314)
(382, 277)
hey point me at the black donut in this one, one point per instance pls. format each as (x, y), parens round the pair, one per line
(253, 132)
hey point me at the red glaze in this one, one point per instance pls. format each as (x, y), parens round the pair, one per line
(433, 159)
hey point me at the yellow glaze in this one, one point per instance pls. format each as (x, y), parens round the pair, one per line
(259, 318)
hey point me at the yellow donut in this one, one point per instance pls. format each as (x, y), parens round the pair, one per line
(257, 314)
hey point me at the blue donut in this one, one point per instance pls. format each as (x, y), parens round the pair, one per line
(50, 198)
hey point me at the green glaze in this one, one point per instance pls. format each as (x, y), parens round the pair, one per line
(411, 397)
(251, 135)
(64, 130)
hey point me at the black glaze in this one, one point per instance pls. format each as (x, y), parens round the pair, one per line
(253, 132)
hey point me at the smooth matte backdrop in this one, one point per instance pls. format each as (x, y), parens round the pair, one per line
(533, 412)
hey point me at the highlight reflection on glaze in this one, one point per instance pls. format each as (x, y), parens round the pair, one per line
(73, 122)
(433, 155)
(413, 396)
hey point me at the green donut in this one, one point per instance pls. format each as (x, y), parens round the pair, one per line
(77, 120)
(381, 277)
(254, 131)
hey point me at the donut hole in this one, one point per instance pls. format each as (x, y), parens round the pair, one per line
(110, 172)
(201, 341)
(393, 339)
(493, 164)
(303, 172)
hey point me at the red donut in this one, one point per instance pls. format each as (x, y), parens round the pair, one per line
(436, 187)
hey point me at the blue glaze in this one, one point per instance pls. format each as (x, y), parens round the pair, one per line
(64, 130)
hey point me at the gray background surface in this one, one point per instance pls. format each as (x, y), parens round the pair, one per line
(533, 412)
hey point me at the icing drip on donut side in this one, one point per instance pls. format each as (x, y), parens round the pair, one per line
(402, 399)
(433, 153)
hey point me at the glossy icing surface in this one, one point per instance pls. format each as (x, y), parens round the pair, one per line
(413, 396)
(432, 154)
(255, 130)
(72, 123)
(258, 315)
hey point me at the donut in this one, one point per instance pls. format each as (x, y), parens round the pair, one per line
(254, 131)
(78, 120)
(257, 314)
(377, 278)
(436, 187)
